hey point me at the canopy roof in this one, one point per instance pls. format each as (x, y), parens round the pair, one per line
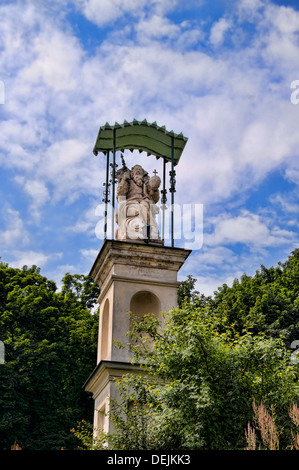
(142, 136)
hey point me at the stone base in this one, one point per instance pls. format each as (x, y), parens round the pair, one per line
(153, 260)
(144, 241)
(102, 384)
(135, 279)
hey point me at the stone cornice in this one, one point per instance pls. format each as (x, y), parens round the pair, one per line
(106, 371)
(136, 254)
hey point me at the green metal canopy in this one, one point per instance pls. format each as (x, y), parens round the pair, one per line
(142, 136)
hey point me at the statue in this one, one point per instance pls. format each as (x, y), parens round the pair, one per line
(137, 195)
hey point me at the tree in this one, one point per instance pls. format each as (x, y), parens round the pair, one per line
(50, 347)
(267, 302)
(187, 292)
(210, 375)
(211, 361)
(201, 386)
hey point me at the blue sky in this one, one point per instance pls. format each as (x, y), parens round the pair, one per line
(219, 72)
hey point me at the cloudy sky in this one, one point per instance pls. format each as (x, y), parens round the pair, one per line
(221, 72)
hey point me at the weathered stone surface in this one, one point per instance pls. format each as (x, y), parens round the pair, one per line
(135, 279)
(137, 195)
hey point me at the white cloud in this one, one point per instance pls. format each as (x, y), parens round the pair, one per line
(204, 265)
(56, 59)
(38, 192)
(67, 166)
(157, 27)
(207, 96)
(215, 256)
(250, 10)
(284, 19)
(249, 229)
(208, 285)
(218, 31)
(16, 138)
(89, 254)
(15, 232)
(29, 258)
(88, 220)
(293, 175)
(103, 12)
(289, 204)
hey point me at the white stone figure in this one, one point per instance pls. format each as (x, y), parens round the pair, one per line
(137, 195)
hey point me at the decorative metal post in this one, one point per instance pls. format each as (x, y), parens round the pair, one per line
(106, 195)
(163, 201)
(172, 189)
(113, 165)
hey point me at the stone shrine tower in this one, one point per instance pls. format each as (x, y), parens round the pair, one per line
(136, 272)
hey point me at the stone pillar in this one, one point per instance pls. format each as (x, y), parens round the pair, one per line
(133, 277)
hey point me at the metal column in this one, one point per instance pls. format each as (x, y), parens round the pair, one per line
(113, 166)
(106, 195)
(163, 200)
(172, 190)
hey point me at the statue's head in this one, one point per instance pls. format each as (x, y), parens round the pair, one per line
(138, 174)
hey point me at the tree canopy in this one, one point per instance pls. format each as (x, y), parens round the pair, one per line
(213, 360)
(267, 302)
(50, 343)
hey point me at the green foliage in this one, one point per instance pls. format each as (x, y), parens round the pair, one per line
(210, 376)
(133, 416)
(211, 361)
(187, 293)
(50, 347)
(267, 302)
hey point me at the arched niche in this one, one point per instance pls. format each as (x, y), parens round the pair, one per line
(105, 331)
(142, 303)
